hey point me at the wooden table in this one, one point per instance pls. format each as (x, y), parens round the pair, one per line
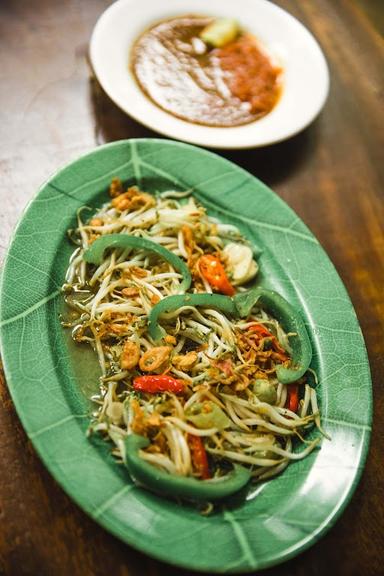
(52, 110)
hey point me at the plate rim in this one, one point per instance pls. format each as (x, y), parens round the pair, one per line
(38, 445)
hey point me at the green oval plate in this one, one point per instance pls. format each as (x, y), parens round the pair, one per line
(281, 517)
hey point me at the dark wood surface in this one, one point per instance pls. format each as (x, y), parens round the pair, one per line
(52, 110)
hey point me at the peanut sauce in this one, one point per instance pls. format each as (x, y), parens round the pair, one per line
(228, 86)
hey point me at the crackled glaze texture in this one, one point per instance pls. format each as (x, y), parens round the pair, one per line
(280, 517)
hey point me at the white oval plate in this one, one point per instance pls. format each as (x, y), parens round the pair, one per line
(305, 79)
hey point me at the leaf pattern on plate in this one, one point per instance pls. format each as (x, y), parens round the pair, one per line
(280, 517)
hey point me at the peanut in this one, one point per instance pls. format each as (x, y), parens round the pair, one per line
(96, 222)
(115, 188)
(129, 356)
(154, 358)
(185, 362)
(130, 292)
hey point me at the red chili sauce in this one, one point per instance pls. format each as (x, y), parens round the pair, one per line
(228, 86)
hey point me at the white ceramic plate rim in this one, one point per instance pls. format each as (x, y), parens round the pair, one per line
(305, 77)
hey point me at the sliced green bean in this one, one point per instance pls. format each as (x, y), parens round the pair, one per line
(171, 303)
(94, 254)
(172, 485)
(289, 319)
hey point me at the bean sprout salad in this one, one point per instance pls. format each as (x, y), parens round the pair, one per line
(202, 387)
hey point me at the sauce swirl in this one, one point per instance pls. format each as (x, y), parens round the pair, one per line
(229, 86)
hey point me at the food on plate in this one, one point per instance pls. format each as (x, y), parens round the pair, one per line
(206, 71)
(204, 379)
(220, 32)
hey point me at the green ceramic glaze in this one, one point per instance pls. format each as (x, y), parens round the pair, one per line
(279, 518)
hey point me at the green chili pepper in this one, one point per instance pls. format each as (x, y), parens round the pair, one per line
(223, 303)
(172, 485)
(241, 305)
(290, 320)
(94, 254)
